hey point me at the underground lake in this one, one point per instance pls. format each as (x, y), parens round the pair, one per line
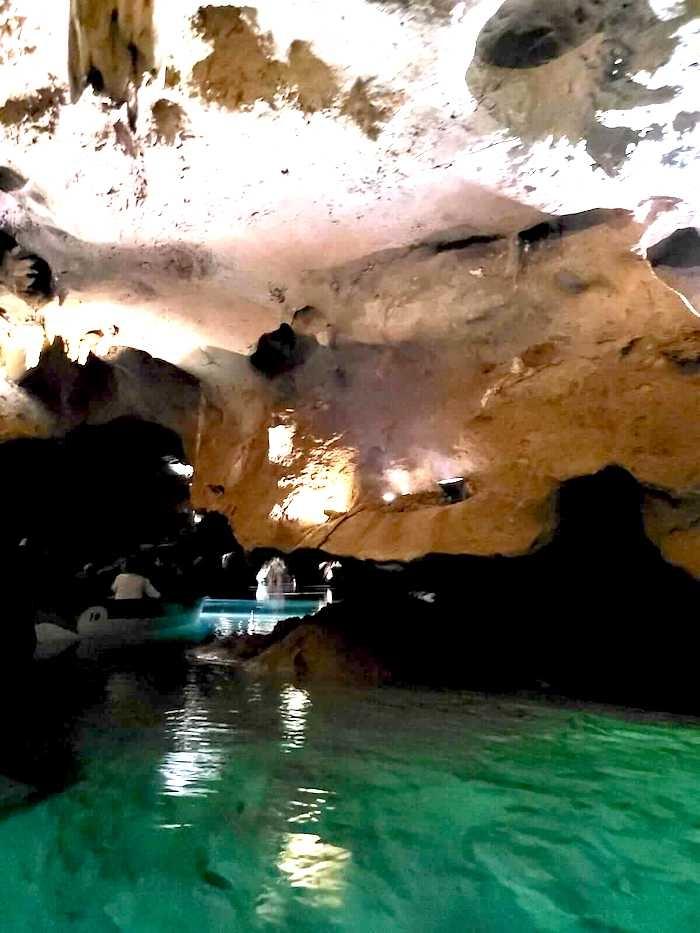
(177, 797)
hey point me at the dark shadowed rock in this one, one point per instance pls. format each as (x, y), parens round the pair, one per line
(580, 614)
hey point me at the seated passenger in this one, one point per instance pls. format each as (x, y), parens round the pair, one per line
(132, 585)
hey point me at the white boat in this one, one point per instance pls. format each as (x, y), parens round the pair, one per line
(124, 621)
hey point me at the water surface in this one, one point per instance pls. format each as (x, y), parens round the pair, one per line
(225, 617)
(201, 802)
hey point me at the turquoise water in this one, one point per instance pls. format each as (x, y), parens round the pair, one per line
(255, 617)
(218, 617)
(204, 803)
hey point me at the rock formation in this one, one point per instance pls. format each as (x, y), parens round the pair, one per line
(580, 616)
(468, 247)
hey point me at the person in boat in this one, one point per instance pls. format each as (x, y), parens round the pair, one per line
(130, 584)
(274, 579)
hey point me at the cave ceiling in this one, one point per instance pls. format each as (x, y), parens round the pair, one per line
(487, 211)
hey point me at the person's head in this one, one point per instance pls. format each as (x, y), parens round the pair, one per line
(131, 565)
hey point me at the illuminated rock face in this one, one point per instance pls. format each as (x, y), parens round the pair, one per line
(452, 218)
(516, 379)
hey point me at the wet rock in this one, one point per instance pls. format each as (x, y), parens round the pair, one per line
(230, 651)
(317, 651)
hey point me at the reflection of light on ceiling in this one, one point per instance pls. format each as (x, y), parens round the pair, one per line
(309, 506)
(141, 327)
(33, 343)
(425, 466)
(325, 485)
(18, 338)
(310, 863)
(79, 346)
(666, 9)
(400, 480)
(294, 706)
(280, 442)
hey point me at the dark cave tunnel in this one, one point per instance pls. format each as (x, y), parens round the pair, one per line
(96, 491)
(75, 505)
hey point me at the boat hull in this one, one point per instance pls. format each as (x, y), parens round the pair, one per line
(137, 620)
(118, 622)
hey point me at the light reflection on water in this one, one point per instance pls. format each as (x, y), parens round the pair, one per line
(310, 808)
(308, 862)
(257, 616)
(194, 765)
(294, 707)
(212, 803)
(309, 867)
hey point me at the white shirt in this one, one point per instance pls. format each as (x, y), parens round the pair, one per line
(133, 586)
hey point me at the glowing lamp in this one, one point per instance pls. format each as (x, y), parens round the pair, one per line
(179, 468)
(453, 489)
(389, 496)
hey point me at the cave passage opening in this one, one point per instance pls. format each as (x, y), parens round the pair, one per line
(76, 506)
